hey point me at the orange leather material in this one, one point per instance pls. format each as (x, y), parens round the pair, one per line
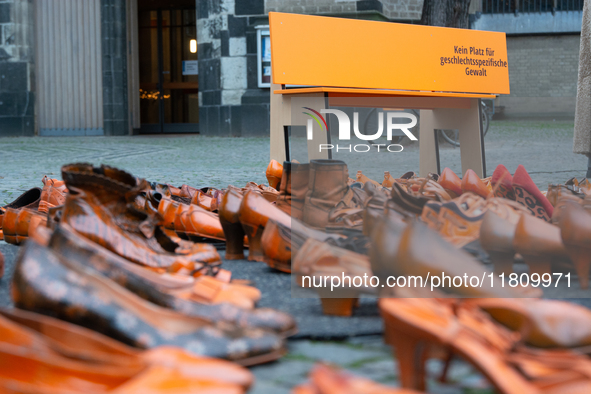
(274, 173)
(205, 201)
(255, 211)
(534, 236)
(472, 183)
(53, 194)
(450, 182)
(388, 180)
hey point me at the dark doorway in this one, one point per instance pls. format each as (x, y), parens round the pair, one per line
(168, 68)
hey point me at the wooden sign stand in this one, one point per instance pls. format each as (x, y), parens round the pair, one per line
(347, 70)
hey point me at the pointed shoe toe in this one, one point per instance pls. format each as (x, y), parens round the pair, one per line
(473, 184)
(502, 183)
(528, 195)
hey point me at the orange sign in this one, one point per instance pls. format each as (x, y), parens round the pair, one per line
(321, 51)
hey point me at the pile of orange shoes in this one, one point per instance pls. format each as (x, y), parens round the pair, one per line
(138, 262)
(99, 252)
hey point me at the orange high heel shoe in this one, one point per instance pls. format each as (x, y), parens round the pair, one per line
(254, 213)
(539, 243)
(575, 232)
(413, 326)
(362, 179)
(496, 237)
(472, 183)
(450, 182)
(317, 259)
(229, 218)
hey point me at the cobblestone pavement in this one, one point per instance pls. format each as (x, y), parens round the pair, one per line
(544, 148)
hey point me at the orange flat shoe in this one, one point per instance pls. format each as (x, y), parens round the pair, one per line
(190, 221)
(450, 182)
(472, 183)
(274, 173)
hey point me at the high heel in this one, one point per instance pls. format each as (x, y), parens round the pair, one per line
(528, 195)
(416, 323)
(575, 231)
(234, 234)
(502, 262)
(254, 213)
(410, 351)
(255, 248)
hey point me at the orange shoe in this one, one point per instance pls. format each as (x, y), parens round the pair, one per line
(472, 183)
(274, 172)
(450, 182)
(539, 243)
(254, 213)
(330, 380)
(16, 224)
(29, 199)
(190, 221)
(53, 194)
(388, 180)
(362, 179)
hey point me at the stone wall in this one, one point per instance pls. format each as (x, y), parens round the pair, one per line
(17, 68)
(543, 75)
(230, 102)
(402, 10)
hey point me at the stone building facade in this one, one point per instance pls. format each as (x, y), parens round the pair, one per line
(95, 89)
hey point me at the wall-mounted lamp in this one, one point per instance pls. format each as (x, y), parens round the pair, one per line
(193, 46)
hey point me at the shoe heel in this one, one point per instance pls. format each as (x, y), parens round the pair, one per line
(502, 262)
(255, 248)
(234, 234)
(581, 258)
(339, 306)
(411, 353)
(538, 265)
